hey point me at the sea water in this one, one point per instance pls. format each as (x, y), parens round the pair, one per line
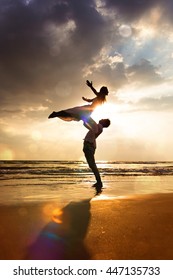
(24, 181)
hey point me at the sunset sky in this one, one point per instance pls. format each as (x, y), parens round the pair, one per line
(48, 49)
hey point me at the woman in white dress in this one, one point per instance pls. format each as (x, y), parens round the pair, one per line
(83, 112)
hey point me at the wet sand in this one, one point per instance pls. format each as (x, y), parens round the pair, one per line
(123, 228)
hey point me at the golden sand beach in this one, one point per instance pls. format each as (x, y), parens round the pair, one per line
(123, 228)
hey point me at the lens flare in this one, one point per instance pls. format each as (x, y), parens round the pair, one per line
(125, 30)
(57, 216)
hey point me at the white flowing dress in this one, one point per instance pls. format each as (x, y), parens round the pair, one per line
(78, 113)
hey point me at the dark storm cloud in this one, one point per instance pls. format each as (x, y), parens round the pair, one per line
(134, 9)
(131, 10)
(23, 49)
(90, 27)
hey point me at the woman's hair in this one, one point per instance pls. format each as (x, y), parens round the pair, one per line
(102, 93)
(104, 90)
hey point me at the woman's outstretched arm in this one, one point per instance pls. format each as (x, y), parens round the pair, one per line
(90, 84)
(87, 99)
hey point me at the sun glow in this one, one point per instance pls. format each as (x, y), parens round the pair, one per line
(107, 110)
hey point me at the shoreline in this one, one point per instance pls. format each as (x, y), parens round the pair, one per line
(29, 191)
(124, 227)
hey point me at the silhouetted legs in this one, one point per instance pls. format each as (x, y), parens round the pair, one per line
(59, 114)
(89, 151)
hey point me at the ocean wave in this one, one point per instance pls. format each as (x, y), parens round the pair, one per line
(21, 169)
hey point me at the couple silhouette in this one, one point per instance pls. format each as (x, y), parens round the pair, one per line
(94, 129)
